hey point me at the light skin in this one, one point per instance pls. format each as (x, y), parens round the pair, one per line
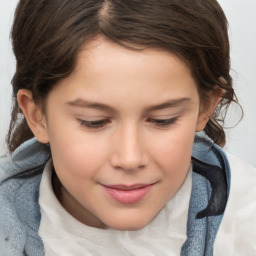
(122, 117)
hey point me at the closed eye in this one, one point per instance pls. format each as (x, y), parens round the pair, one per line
(163, 122)
(96, 124)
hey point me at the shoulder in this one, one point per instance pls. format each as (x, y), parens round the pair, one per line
(20, 171)
(20, 176)
(237, 233)
(31, 154)
(242, 195)
(239, 166)
(19, 214)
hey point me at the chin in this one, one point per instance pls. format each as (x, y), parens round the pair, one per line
(129, 223)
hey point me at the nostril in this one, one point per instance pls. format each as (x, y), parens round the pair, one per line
(7, 239)
(129, 153)
(129, 168)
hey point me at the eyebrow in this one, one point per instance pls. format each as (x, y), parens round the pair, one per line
(169, 104)
(82, 103)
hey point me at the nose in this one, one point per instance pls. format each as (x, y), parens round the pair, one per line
(129, 152)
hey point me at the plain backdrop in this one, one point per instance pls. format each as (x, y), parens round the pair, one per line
(241, 140)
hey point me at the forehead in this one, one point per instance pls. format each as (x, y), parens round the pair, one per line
(105, 70)
(103, 53)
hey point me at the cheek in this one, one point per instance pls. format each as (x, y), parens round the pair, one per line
(173, 155)
(77, 155)
(176, 156)
(176, 144)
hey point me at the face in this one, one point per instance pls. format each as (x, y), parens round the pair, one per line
(121, 129)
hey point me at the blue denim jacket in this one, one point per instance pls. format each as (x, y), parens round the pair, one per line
(20, 176)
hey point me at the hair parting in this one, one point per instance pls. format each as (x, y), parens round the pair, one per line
(47, 36)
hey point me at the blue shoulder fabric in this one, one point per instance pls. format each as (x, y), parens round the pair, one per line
(210, 189)
(20, 176)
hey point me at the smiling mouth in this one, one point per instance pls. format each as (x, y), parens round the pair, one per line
(128, 194)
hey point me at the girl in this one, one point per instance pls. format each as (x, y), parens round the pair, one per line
(108, 97)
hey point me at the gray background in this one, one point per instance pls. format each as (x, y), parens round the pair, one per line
(241, 140)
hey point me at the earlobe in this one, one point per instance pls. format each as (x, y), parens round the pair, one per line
(207, 110)
(33, 114)
(202, 120)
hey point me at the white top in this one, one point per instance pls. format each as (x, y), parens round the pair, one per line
(237, 233)
(63, 235)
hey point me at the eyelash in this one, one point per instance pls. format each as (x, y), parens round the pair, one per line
(98, 124)
(163, 122)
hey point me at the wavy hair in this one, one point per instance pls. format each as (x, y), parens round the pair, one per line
(48, 34)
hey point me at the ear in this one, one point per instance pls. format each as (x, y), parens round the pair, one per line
(33, 114)
(208, 109)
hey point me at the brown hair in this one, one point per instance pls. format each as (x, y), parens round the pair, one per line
(48, 34)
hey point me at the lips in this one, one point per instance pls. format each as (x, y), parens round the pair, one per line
(128, 194)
